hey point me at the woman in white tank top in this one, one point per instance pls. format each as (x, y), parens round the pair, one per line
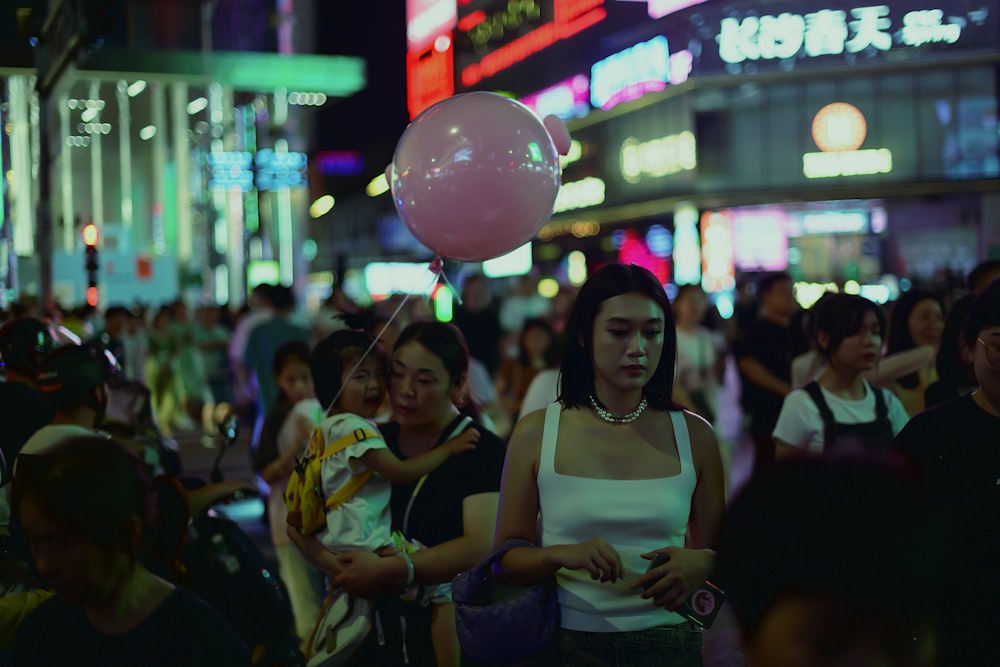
(611, 475)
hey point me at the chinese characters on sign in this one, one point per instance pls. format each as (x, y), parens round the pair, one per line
(831, 32)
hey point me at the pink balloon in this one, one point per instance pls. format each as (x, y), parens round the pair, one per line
(558, 132)
(475, 176)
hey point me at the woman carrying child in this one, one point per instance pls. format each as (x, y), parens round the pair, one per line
(350, 375)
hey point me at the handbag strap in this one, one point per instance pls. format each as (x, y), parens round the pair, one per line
(463, 423)
(499, 552)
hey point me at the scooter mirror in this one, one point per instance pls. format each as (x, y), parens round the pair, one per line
(229, 428)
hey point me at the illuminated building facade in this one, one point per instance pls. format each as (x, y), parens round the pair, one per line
(841, 141)
(180, 131)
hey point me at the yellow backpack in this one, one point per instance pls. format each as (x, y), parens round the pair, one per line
(304, 499)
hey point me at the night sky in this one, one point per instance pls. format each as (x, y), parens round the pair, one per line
(373, 120)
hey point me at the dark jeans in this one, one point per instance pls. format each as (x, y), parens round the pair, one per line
(678, 646)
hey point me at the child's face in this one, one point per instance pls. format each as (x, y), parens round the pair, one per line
(364, 389)
(295, 380)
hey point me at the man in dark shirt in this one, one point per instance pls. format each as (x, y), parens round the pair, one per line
(957, 445)
(479, 322)
(765, 362)
(23, 409)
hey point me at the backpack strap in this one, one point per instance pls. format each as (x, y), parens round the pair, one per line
(881, 408)
(343, 442)
(350, 488)
(816, 394)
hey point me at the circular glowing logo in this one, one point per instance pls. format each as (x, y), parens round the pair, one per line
(703, 602)
(839, 127)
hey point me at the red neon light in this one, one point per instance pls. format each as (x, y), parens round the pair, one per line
(472, 20)
(430, 77)
(91, 296)
(537, 40)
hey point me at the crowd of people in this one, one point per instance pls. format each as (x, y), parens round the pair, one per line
(586, 427)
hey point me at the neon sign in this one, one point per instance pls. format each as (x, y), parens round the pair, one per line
(839, 130)
(642, 68)
(430, 77)
(657, 9)
(571, 18)
(717, 265)
(630, 74)
(830, 32)
(566, 99)
(427, 19)
(657, 158)
(580, 194)
(490, 28)
(925, 27)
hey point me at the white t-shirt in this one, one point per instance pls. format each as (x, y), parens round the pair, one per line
(801, 425)
(696, 357)
(311, 411)
(364, 522)
(543, 390)
(51, 435)
(43, 439)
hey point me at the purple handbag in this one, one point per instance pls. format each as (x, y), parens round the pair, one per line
(498, 631)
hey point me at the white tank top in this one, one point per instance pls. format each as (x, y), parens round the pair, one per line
(636, 516)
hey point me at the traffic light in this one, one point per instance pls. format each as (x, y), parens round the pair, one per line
(90, 240)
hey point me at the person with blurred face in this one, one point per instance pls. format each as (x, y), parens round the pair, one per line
(764, 358)
(917, 319)
(957, 444)
(836, 563)
(84, 507)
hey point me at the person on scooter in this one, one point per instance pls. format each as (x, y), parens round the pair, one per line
(85, 505)
(23, 409)
(73, 380)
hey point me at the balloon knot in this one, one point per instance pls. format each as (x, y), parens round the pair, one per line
(437, 266)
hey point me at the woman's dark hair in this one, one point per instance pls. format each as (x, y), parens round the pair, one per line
(841, 316)
(985, 312)
(949, 357)
(337, 353)
(814, 516)
(900, 338)
(576, 377)
(550, 354)
(91, 484)
(446, 342)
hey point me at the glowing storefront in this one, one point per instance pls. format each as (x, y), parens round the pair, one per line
(833, 139)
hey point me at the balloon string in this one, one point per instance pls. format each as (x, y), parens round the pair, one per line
(436, 269)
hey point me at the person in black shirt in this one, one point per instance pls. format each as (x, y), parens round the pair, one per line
(478, 320)
(765, 363)
(23, 409)
(84, 507)
(957, 444)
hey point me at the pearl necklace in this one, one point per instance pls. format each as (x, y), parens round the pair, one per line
(612, 418)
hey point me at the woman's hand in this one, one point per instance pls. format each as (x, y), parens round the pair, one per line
(596, 556)
(366, 574)
(674, 581)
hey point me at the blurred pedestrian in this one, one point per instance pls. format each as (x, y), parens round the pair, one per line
(917, 319)
(955, 443)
